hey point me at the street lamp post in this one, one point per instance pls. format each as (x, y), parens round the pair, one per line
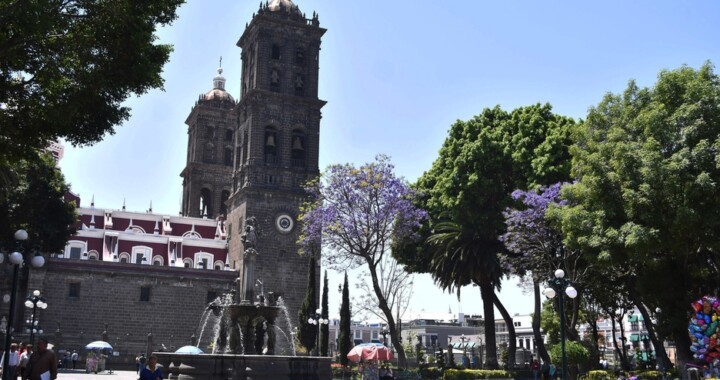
(35, 301)
(558, 285)
(17, 259)
(318, 320)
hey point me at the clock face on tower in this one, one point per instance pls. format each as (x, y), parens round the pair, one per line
(284, 223)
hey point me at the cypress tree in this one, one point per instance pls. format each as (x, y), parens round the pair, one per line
(324, 329)
(345, 342)
(308, 332)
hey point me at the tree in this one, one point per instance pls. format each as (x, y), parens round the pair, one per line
(467, 189)
(647, 195)
(576, 355)
(396, 285)
(345, 339)
(67, 66)
(358, 213)
(35, 202)
(535, 249)
(308, 332)
(324, 329)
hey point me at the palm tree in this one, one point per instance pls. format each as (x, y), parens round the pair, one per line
(461, 256)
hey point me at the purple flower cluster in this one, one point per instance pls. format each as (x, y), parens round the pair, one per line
(529, 234)
(357, 212)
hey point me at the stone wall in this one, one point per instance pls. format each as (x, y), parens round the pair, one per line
(109, 307)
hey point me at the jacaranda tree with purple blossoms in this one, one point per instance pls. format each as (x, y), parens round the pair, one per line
(535, 248)
(357, 213)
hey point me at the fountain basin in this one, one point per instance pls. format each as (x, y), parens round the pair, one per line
(244, 367)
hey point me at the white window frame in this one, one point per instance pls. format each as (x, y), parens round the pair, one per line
(208, 257)
(143, 250)
(75, 244)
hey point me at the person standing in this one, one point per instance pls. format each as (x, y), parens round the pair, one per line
(74, 358)
(10, 371)
(535, 367)
(41, 361)
(151, 371)
(141, 362)
(24, 359)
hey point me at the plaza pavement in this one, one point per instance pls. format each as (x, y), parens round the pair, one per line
(81, 375)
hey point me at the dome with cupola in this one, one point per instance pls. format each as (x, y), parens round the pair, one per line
(283, 5)
(218, 92)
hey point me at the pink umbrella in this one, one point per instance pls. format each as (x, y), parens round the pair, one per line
(370, 351)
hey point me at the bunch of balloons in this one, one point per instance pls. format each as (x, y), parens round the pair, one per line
(704, 330)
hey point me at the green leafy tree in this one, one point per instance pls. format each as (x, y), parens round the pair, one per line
(307, 333)
(324, 329)
(35, 203)
(647, 195)
(467, 189)
(345, 342)
(576, 355)
(66, 67)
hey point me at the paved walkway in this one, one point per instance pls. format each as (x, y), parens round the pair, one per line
(81, 375)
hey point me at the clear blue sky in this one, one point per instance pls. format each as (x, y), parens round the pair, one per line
(396, 75)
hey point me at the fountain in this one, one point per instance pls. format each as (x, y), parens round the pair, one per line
(244, 336)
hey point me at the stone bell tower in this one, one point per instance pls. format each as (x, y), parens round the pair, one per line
(207, 177)
(276, 147)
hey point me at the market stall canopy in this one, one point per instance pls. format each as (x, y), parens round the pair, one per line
(370, 351)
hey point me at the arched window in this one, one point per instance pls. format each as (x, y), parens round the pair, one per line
(124, 257)
(228, 156)
(158, 260)
(275, 51)
(74, 250)
(270, 145)
(141, 255)
(299, 83)
(209, 153)
(228, 135)
(223, 200)
(203, 260)
(187, 263)
(297, 149)
(206, 203)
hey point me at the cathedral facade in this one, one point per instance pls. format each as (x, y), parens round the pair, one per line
(141, 280)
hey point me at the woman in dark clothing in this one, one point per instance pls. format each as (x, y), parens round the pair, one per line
(151, 372)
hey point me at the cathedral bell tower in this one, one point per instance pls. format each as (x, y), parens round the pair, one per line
(276, 147)
(207, 177)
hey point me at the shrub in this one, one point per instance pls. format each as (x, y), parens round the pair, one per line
(472, 374)
(431, 373)
(600, 374)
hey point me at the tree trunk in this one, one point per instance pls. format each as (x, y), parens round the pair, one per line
(512, 345)
(487, 292)
(383, 305)
(537, 334)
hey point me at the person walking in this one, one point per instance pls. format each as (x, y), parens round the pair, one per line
(24, 359)
(74, 358)
(151, 371)
(43, 362)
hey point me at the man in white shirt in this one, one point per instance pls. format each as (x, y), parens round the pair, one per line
(24, 357)
(12, 362)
